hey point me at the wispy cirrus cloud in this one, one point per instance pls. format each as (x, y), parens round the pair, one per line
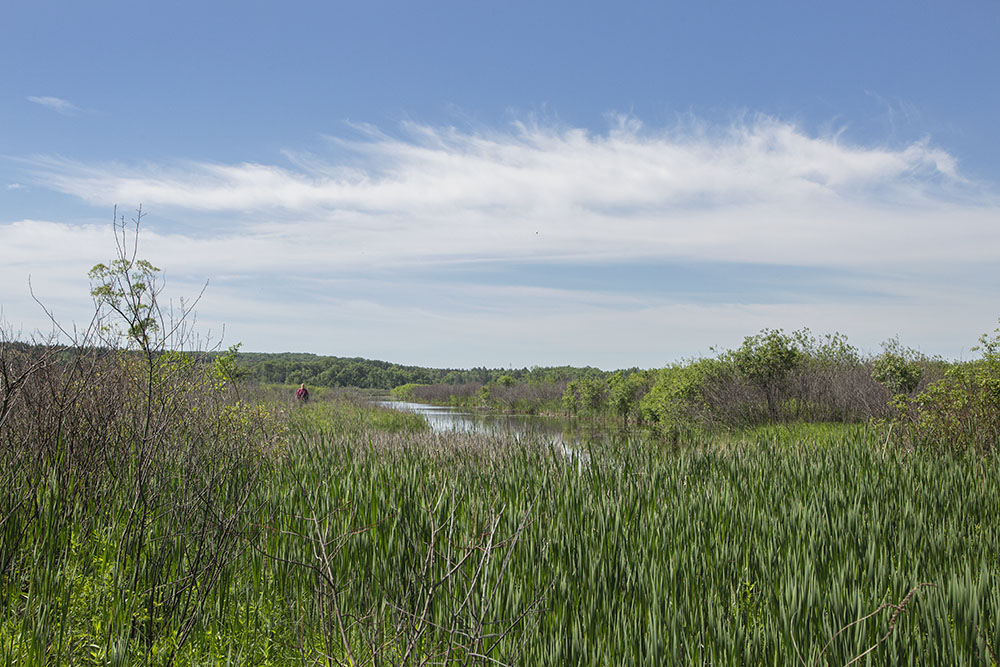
(57, 104)
(530, 166)
(760, 191)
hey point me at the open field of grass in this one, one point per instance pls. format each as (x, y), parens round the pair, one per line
(354, 536)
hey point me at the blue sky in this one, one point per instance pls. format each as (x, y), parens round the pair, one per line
(512, 184)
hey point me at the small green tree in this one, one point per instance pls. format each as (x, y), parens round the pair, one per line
(584, 395)
(225, 371)
(593, 391)
(897, 368)
(625, 391)
(128, 287)
(765, 361)
(126, 293)
(826, 349)
(675, 403)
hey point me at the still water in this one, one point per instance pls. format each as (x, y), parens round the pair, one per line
(555, 429)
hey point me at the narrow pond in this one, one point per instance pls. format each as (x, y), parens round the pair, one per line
(443, 419)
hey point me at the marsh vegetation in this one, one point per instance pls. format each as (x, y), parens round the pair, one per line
(157, 507)
(338, 533)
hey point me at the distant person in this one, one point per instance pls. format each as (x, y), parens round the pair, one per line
(302, 394)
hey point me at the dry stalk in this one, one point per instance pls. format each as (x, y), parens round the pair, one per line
(899, 608)
(989, 647)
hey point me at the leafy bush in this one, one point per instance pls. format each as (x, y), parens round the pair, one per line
(765, 361)
(897, 368)
(677, 401)
(961, 411)
(585, 395)
(625, 392)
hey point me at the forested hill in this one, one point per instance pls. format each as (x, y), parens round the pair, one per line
(296, 367)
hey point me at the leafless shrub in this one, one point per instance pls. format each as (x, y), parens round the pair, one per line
(526, 396)
(117, 415)
(811, 392)
(444, 393)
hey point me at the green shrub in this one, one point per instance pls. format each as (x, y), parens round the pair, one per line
(960, 412)
(764, 362)
(897, 368)
(404, 392)
(625, 392)
(584, 395)
(676, 402)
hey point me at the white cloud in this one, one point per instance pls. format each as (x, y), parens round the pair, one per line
(56, 104)
(530, 168)
(546, 327)
(762, 191)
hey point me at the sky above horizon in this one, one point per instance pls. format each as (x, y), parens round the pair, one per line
(460, 184)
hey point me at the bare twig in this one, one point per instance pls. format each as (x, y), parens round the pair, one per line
(899, 608)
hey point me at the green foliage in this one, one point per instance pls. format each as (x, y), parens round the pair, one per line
(322, 371)
(725, 389)
(404, 392)
(224, 370)
(592, 392)
(766, 359)
(960, 412)
(625, 391)
(585, 395)
(897, 368)
(571, 398)
(827, 349)
(764, 362)
(326, 371)
(675, 403)
(128, 287)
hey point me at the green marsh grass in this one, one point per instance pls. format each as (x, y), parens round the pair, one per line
(362, 537)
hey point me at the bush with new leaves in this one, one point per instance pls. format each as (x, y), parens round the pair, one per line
(960, 412)
(897, 368)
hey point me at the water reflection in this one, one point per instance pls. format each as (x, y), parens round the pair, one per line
(444, 419)
(566, 434)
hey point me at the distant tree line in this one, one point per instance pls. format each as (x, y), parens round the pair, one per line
(298, 367)
(328, 371)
